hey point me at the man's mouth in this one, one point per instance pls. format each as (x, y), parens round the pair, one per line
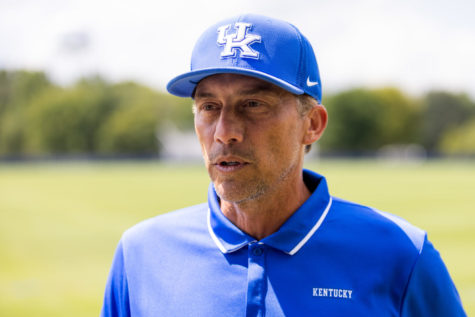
(231, 163)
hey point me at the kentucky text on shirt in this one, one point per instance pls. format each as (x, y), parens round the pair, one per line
(332, 292)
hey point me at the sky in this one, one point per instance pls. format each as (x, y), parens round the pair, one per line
(416, 45)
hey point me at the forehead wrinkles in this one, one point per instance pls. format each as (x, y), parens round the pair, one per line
(236, 85)
(244, 92)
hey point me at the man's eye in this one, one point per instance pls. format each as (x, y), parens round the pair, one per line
(252, 104)
(208, 107)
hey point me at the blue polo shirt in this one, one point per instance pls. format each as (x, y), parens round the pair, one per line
(330, 258)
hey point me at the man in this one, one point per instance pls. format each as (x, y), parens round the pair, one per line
(271, 241)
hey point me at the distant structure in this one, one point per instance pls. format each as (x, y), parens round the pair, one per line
(402, 153)
(75, 42)
(73, 57)
(178, 145)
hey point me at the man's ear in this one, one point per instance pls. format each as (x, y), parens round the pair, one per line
(316, 122)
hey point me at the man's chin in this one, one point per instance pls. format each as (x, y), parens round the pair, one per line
(229, 191)
(237, 192)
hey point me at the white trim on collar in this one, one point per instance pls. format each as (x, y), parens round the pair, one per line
(213, 235)
(302, 242)
(312, 231)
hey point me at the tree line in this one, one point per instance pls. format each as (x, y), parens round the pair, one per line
(96, 117)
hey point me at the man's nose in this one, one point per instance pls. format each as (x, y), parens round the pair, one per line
(229, 128)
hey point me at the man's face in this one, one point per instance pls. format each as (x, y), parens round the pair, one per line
(251, 135)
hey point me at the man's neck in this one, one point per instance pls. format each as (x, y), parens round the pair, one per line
(263, 216)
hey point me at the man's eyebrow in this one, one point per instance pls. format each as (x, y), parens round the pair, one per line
(258, 89)
(203, 94)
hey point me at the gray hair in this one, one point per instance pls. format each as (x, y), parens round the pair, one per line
(304, 104)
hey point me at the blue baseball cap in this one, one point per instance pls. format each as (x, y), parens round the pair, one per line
(257, 46)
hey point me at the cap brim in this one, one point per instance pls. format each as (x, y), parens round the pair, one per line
(184, 85)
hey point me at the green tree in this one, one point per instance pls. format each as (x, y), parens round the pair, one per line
(178, 110)
(443, 111)
(67, 120)
(132, 128)
(17, 91)
(363, 120)
(459, 140)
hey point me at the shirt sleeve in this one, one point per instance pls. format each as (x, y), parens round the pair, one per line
(116, 297)
(430, 291)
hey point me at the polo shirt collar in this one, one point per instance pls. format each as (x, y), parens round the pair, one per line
(290, 237)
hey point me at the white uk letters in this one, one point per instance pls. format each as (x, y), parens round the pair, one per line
(241, 40)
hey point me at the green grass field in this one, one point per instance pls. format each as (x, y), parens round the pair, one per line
(60, 222)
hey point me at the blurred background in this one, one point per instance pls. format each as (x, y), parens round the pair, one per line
(91, 143)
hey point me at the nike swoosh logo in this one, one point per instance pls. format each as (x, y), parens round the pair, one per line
(311, 83)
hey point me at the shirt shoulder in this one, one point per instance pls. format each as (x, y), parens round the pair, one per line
(179, 224)
(377, 227)
(431, 291)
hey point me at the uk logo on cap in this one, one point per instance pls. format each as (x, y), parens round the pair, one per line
(239, 41)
